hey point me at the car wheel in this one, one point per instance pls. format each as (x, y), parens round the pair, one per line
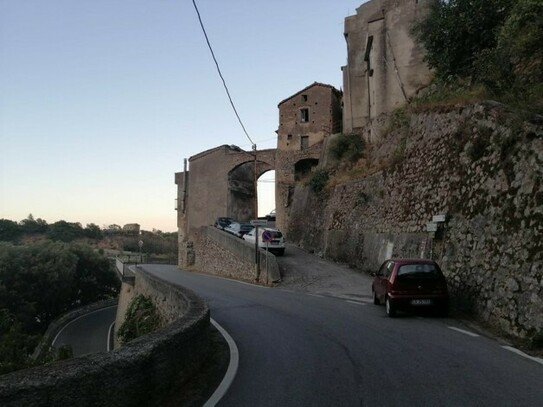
(375, 298)
(391, 310)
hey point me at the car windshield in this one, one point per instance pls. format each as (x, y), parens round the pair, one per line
(418, 271)
(276, 233)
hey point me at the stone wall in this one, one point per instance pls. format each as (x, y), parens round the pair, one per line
(222, 254)
(139, 373)
(481, 166)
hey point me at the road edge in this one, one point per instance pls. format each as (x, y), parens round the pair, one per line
(231, 371)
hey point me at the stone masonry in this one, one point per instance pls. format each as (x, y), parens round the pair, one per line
(479, 165)
(306, 119)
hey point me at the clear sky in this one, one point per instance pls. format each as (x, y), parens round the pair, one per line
(101, 100)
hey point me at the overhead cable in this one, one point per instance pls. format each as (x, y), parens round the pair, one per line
(220, 73)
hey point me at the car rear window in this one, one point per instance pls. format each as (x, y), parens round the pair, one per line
(419, 271)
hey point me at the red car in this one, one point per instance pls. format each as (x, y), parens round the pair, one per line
(410, 284)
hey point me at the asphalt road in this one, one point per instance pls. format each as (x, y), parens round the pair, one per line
(303, 349)
(88, 333)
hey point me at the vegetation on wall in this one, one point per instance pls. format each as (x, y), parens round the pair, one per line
(347, 146)
(141, 318)
(318, 180)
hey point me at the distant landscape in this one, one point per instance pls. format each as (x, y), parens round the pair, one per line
(47, 270)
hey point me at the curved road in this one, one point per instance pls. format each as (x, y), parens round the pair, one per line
(88, 333)
(301, 349)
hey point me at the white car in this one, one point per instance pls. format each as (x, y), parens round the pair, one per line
(238, 229)
(275, 245)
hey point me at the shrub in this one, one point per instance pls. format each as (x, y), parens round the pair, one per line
(319, 180)
(141, 318)
(349, 146)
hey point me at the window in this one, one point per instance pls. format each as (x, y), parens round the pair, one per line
(304, 142)
(289, 137)
(304, 98)
(304, 115)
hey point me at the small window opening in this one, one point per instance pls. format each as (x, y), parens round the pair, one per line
(289, 137)
(304, 115)
(304, 98)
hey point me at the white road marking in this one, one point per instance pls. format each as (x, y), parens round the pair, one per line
(463, 331)
(109, 333)
(230, 372)
(518, 352)
(316, 295)
(75, 319)
(356, 302)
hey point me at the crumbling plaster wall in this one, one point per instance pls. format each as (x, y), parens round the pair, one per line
(480, 165)
(383, 71)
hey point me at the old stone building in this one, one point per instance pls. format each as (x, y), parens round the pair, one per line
(306, 119)
(218, 182)
(131, 228)
(385, 65)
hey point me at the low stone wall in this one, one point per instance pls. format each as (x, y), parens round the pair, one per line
(139, 373)
(222, 254)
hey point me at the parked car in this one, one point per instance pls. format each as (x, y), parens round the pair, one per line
(410, 284)
(238, 229)
(223, 222)
(270, 217)
(277, 243)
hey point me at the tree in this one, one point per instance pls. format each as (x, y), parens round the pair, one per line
(93, 231)
(65, 231)
(9, 230)
(94, 277)
(31, 225)
(38, 283)
(520, 41)
(456, 32)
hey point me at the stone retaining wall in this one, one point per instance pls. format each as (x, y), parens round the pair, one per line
(137, 374)
(482, 167)
(222, 254)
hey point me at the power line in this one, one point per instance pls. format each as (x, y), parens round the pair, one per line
(220, 73)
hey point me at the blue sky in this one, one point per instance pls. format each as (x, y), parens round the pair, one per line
(100, 101)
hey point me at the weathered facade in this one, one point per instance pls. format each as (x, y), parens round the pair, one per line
(385, 65)
(219, 182)
(306, 119)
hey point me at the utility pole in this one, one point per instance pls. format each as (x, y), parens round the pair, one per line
(255, 211)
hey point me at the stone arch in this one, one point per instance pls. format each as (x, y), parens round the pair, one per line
(219, 182)
(242, 192)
